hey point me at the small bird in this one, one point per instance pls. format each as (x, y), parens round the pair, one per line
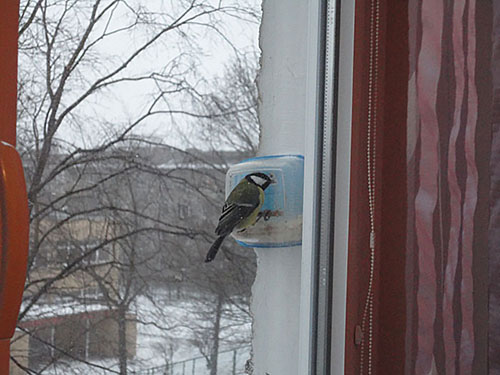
(240, 209)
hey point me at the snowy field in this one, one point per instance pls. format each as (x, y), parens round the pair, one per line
(170, 334)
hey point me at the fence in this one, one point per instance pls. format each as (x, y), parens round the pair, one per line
(230, 362)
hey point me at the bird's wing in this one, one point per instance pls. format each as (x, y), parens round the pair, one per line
(232, 215)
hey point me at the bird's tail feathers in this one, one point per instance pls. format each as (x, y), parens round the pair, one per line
(214, 249)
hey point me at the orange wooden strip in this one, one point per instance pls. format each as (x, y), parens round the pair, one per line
(8, 68)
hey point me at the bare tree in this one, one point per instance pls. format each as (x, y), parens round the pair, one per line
(230, 119)
(95, 191)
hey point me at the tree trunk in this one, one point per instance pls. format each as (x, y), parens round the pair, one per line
(122, 340)
(215, 347)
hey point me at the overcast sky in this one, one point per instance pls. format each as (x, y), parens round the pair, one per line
(125, 101)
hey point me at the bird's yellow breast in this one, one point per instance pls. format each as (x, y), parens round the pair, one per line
(250, 220)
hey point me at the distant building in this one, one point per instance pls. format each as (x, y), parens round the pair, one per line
(68, 334)
(72, 321)
(81, 215)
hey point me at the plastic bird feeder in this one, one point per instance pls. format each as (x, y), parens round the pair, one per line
(280, 219)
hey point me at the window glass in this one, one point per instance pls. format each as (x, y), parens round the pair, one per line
(129, 114)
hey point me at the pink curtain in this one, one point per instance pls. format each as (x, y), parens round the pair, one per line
(494, 224)
(450, 146)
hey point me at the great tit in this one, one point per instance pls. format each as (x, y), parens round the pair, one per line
(240, 209)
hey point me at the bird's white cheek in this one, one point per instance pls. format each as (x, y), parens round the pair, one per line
(258, 180)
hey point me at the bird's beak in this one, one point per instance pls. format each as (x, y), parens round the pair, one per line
(272, 178)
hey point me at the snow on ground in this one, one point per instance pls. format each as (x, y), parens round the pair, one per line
(166, 330)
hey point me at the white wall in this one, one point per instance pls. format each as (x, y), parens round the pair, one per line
(282, 77)
(288, 112)
(282, 91)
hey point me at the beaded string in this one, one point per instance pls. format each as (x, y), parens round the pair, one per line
(371, 158)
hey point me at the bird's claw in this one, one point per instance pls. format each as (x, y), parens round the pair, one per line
(266, 215)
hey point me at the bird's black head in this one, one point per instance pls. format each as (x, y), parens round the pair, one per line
(259, 179)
